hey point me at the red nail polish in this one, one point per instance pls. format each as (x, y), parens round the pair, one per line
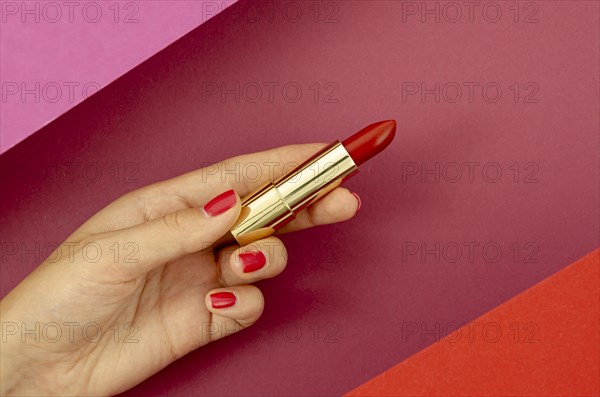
(221, 203)
(221, 300)
(252, 261)
(359, 201)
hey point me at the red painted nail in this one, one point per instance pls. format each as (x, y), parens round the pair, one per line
(359, 201)
(252, 261)
(221, 300)
(221, 203)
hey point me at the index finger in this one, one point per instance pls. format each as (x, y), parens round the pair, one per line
(242, 173)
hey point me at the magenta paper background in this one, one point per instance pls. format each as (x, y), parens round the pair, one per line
(337, 315)
(71, 51)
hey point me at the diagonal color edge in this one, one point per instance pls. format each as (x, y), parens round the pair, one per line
(543, 342)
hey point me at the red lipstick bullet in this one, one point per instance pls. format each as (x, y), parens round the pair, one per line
(277, 203)
(370, 141)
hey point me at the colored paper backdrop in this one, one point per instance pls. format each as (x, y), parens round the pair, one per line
(490, 187)
(54, 54)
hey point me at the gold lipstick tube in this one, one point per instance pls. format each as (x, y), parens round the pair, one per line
(277, 203)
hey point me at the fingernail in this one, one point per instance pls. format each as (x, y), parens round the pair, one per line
(252, 261)
(220, 204)
(221, 300)
(359, 201)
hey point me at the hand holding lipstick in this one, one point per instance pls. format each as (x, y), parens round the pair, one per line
(157, 273)
(159, 290)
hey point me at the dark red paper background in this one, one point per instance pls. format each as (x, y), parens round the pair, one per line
(350, 282)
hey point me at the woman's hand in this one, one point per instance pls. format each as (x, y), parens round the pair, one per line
(147, 280)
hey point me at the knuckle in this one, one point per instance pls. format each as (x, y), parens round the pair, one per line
(173, 222)
(177, 224)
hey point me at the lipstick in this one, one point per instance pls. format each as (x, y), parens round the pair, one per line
(276, 203)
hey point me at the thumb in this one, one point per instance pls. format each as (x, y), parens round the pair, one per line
(175, 235)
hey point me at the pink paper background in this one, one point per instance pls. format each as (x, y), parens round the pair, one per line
(87, 53)
(351, 288)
